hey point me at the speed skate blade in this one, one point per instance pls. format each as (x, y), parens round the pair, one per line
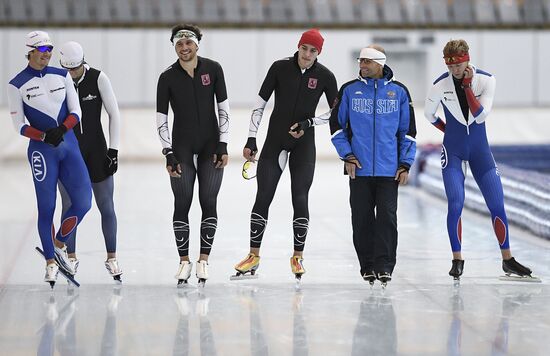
(513, 278)
(242, 277)
(70, 279)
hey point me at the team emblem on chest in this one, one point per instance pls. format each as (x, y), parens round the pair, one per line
(205, 79)
(312, 83)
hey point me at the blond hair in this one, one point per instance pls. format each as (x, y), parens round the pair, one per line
(454, 47)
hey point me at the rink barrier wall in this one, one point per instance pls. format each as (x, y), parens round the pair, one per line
(526, 190)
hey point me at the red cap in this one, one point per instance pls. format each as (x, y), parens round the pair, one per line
(312, 37)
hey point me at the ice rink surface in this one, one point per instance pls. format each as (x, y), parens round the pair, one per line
(334, 312)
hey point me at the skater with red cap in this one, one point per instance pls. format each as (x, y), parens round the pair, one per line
(298, 82)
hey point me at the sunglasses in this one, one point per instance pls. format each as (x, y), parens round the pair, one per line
(249, 170)
(44, 49)
(72, 69)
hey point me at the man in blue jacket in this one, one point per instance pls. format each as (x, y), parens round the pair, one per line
(373, 130)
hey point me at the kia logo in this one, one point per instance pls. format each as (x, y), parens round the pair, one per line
(39, 168)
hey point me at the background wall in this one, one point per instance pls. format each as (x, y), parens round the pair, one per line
(133, 58)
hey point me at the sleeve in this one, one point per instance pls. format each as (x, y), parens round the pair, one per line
(223, 105)
(223, 120)
(407, 131)
(111, 106)
(321, 119)
(331, 93)
(485, 101)
(430, 107)
(15, 104)
(73, 103)
(331, 90)
(256, 116)
(163, 95)
(269, 84)
(339, 122)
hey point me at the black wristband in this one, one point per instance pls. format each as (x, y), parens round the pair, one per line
(221, 149)
(251, 144)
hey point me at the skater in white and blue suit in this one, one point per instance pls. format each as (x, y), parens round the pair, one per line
(466, 94)
(46, 98)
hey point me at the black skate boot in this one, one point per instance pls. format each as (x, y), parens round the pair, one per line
(457, 269)
(512, 266)
(370, 277)
(515, 271)
(384, 278)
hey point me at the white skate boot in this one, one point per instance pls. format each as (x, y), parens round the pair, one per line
(114, 269)
(202, 272)
(184, 272)
(51, 274)
(74, 263)
(62, 259)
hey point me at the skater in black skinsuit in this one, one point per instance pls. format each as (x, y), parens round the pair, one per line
(193, 86)
(298, 82)
(94, 92)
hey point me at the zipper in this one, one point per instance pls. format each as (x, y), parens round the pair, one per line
(374, 128)
(82, 116)
(299, 90)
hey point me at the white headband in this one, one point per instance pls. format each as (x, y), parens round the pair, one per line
(190, 35)
(374, 55)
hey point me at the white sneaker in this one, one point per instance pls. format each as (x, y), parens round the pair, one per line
(62, 259)
(51, 273)
(202, 270)
(112, 267)
(74, 263)
(184, 271)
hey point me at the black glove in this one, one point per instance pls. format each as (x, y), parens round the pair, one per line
(251, 144)
(55, 136)
(221, 150)
(303, 125)
(172, 161)
(111, 164)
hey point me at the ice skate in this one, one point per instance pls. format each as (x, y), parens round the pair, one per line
(202, 272)
(65, 274)
(384, 278)
(370, 277)
(74, 263)
(297, 266)
(456, 270)
(246, 269)
(184, 272)
(62, 259)
(114, 269)
(51, 274)
(515, 271)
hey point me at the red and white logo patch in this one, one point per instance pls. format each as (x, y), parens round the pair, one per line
(205, 79)
(312, 83)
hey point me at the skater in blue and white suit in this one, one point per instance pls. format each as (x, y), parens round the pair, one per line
(46, 98)
(466, 95)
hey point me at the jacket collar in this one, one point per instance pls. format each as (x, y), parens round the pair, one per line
(387, 76)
